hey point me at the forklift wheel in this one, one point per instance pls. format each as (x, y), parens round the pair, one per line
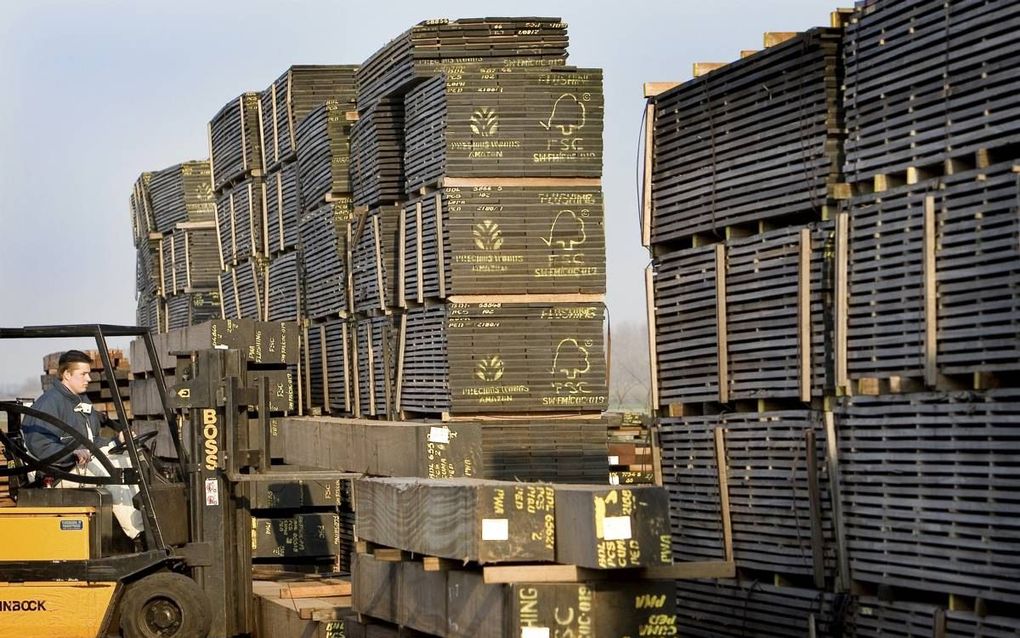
(165, 605)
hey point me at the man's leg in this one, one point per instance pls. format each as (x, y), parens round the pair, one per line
(130, 519)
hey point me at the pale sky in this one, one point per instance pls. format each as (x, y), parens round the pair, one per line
(97, 91)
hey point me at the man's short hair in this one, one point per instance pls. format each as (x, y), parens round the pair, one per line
(69, 358)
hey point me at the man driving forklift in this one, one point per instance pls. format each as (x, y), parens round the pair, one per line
(66, 400)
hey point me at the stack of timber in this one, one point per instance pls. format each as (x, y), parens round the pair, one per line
(496, 535)
(926, 497)
(912, 113)
(173, 222)
(374, 252)
(99, 390)
(291, 605)
(269, 350)
(744, 319)
(299, 91)
(377, 153)
(151, 306)
(934, 283)
(742, 185)
(518, 239)
(757, 140)
(184, 214)
(525, 122)
(384, 448)
(426, 48)
(631, 456)
(239, 185)
(375, 355)
(306, 152)
(471, 358)
(554, 450)
(324, 151)
(776, 487)
(326, 235)
(875, 617)
(329, 375)
(301, 521)
(739, 609)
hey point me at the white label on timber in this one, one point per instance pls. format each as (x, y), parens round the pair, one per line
(614, 460)
(212, 491)
(534, 632)
(495, 529)
(439, 435)
(616, 528)
(614, 479)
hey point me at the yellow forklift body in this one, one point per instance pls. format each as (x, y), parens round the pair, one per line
(45, 533)
(54, 609)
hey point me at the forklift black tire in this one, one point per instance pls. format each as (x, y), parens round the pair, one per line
(165, 605)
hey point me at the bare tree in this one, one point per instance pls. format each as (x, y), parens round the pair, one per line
(630, 386)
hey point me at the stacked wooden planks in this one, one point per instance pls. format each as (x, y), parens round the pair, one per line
(174, 216)
(733, 321)
(515, 239)
(735, 609)
(778, 491)
(417, 52)
(743, 179)
(758, 139)
(504, 358)
(882, 352)
(874, 617)
(291, 605)
(238, 183)
(305, 133)
(560, 451)
(939, 256)
(304, 523)
(926, 494)
(928, 83)
(483, 527)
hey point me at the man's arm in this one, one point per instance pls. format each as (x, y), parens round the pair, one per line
(43, 439)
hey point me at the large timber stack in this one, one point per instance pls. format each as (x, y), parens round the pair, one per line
(928, 345)
(742, 164)
(238, 182)
(174, 222)
(833, 294)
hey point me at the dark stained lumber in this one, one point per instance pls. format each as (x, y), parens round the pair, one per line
(503, 239)
(383, 448)
(926, 491)
(458, 518)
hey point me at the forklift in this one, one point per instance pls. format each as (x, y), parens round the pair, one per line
(67, 570)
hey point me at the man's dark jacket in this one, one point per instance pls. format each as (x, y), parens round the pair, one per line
(44, 439)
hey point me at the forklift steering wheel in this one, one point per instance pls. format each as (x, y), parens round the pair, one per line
(140, 440)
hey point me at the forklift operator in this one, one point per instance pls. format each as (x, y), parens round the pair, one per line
(66, 401)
